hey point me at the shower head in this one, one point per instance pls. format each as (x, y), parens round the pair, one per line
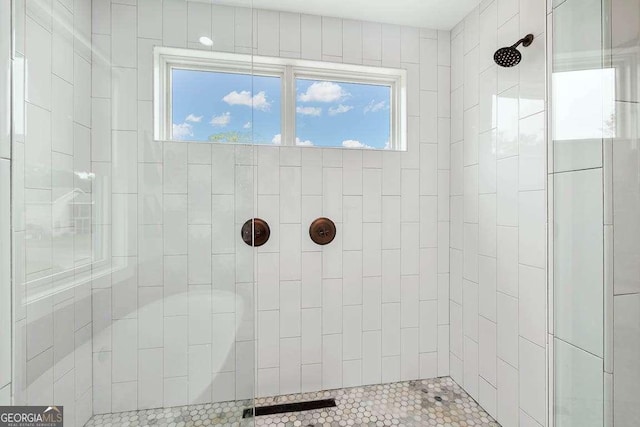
(510, 56)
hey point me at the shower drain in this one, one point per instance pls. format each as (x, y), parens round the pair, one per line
(438, 398)
(289, 407)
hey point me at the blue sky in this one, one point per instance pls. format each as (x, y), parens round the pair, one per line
(244, 108)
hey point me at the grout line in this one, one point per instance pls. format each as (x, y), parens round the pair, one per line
(576, 170)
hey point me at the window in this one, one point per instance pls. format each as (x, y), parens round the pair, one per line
(204, 108)
(231, 98)
(339, 114)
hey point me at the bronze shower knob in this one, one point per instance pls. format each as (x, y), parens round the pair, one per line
(322, 231)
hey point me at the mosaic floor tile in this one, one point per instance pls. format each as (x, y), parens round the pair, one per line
(433, 402)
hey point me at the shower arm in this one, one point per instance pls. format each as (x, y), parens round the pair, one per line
(525, 41)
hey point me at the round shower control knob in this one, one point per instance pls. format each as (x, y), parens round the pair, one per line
(255, 232)
(322, 231)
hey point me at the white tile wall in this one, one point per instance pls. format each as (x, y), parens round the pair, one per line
(5, 278)
(587, 304)
(581, 399)
(621, 204)
(370, 307)
(498, 216)
(5, 89)
(625, 353)
(51, 198)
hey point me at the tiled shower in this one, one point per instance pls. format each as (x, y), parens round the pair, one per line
(484, 261)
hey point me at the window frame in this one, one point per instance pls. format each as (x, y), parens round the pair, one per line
(289, 70)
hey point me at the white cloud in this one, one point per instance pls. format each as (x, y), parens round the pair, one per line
(323, 92)
(340, 109)
(277, 140)
(193, 118)
(258, 101)
(222, 120)
(350, 143)
(247, 125)
(305, 143)
(182, 131)
(309, 111)
(375, 106)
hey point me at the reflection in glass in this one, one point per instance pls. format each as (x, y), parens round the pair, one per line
(584, 104)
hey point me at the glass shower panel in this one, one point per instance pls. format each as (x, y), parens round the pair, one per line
(52, 194)
(583, 111)
(134, 287)
(596, 210)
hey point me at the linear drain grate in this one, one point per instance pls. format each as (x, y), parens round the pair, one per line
(289, 407)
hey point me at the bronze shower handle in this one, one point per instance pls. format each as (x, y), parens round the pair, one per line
(322, 231)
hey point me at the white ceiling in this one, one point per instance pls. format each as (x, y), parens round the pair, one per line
(434, 14)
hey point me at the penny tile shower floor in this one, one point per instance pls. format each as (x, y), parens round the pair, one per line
(433, 402)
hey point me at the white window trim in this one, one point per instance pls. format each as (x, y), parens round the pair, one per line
(165, 59)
